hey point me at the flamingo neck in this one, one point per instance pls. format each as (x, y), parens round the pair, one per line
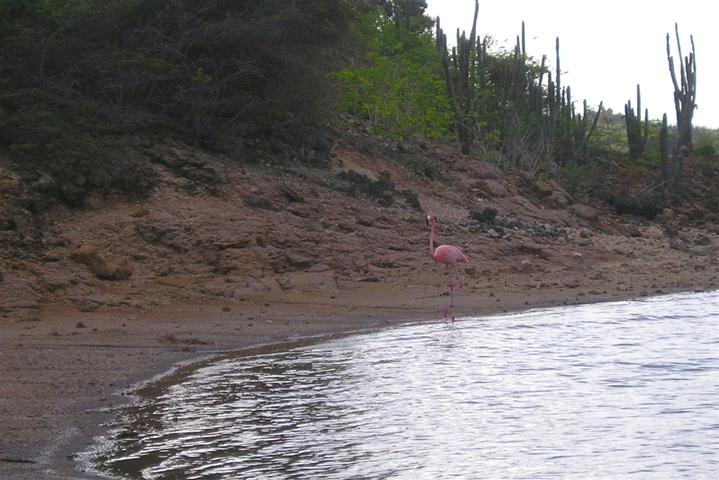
(431, 238)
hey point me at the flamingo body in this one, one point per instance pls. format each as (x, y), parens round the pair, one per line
(448, 255)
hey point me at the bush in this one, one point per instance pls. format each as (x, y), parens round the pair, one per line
(705, 149)
(78, 76)
(395, 85)
(381, 190)
(589, 179)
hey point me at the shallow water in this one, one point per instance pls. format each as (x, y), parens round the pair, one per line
(615, 390)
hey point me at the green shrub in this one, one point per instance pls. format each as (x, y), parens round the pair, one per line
(395, 86)
(705, 149)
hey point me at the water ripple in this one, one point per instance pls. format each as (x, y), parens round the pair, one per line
(620, 390)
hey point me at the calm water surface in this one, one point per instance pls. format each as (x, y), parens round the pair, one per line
(618, 390)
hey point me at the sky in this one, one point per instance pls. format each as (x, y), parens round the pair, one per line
(606, 47)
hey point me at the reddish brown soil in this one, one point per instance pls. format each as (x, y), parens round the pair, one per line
(279, 253)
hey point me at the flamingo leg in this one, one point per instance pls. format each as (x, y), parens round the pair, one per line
(458, 276)
(449, 310)
(451, 301)
(455, 281)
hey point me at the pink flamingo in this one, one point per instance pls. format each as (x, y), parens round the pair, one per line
(450, 256)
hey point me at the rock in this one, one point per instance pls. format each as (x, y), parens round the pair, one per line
(557, 199)
(302, 211)
(103, 268)
(653, 232)
(45, 183)
(487, 215)
(257, 201)
(491, 188)
(676, 244)
(533, 250)
(544, 189)
(191, 164)
(366, 221)
(290, 194)
(293, 262)
(584, 212)
(206, 174)
(702, 240)
(168, 235)
(74, 192)
(634, 232)
(140, 211)
(483, 169)
(172, 157)
(231, 244)
(647, 205)
(20, 294)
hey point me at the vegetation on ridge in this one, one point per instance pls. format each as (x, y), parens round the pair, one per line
(84, 84)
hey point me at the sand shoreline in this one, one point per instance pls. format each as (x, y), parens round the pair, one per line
(74, 382)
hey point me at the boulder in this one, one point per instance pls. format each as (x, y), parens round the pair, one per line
(140, 211)
(584, 212)
(557, 199)
(99, 265)
(492, 188)
(644, 204)
(45, 183)
(161, 232)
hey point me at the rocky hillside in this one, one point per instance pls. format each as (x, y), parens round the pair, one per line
(213, 230)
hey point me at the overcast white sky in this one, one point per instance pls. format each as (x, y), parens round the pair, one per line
(608, 46)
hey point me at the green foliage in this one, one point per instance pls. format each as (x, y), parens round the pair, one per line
(706, 142)
(76, 73)
(587, 179)
(609, 137)
(705, 149)
(395, 86)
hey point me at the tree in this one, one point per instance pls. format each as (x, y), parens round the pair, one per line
(394, 83)
(78, 75)
(461, 86)
(685, 89)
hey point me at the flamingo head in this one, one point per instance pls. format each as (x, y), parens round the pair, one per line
(430, 218)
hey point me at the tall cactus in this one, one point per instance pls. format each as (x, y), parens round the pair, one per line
(461, 90)
(583, 130)
(664, 153)
(685, 90)
(637, 133)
